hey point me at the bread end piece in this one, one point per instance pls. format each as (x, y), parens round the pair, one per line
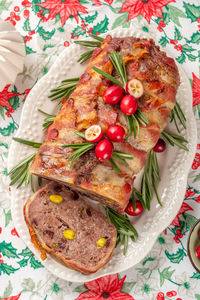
(47, 221)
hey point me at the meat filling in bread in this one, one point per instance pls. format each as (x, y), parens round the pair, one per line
(61, 222)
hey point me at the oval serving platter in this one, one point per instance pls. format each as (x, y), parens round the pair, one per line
(174, 166)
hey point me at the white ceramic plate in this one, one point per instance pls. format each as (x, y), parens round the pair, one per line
(174, 166)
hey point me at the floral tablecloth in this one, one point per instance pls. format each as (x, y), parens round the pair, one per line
(48, 26)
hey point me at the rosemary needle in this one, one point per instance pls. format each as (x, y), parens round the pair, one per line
(175, 140)
(123, 226)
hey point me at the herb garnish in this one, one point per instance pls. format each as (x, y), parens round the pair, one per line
(138, 118)
(123, 226)
(20, 174)
(65, 89)
(47, 121)
(177, 113)
(175, 140)
(82, 148)
(118, 63)
(92, 44)
(149, 179)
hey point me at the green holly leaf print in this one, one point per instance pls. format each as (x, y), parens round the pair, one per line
(8, 217)
(181, 59)
(165, 18)
(101, 27)
(35, 264)
(197, 296)
(198, 176)
(61, 29)
(46, 35)
(190, 220)
(175, 13)
(4, 144)
(2, 114)
(192, 11)
(163, 41)
(7, 269)
(195, 275)
(165, 275)
(6, 131)
(15, 100)
(148, 259)
(177, 34)
(47, 46)
(29, 50)
(195, 38)
(187, 48)
(23, 262)
(90, 19)
(80, 289)
(175, 258)
(142, 271)
(78, 31)
(36, 7)
(8, 290)
(128, 286)
(84, 1)
(4, 5)
(120, 21)
(27, 26)
(28, 285)
(192, 57)
(8, 250)
(26, 252)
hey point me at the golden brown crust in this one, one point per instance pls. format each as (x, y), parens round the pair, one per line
(159, 76)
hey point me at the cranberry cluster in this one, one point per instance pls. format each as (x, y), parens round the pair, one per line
(104, 147)
(115, 93)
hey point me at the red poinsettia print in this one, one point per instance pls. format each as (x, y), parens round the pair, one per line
(98, 2)
(107, 287)
(189, 193)
(65, 9)
(196, 90)
(146, 8)
(12, 297)
(5, 95)
(184, 207)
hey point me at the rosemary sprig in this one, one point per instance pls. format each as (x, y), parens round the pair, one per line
(134, 122)
(149, 180)
(123, 226)
(120, 157)
(20, 174)
(27, 142)
(177, 114)
(64, 90)
(47, 121)
(175, 140)
(108, 76)
(80, 149)
(119, 66)
(136, 195)
(85, 56)
(86, 43)
(92, 44)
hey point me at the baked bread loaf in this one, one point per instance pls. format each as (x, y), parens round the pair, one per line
(85, 107)
(65, 225)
